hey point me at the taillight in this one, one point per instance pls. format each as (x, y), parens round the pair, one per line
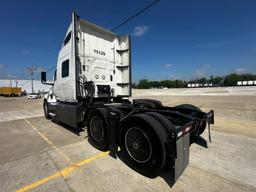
(184, 131)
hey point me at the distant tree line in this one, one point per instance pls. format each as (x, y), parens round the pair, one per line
(231, 80)
(228, 80)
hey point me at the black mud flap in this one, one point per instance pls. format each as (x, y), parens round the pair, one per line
(176, 165)
(182, 160)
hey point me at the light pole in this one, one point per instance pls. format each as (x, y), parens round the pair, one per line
(16, 82)
(31, 71)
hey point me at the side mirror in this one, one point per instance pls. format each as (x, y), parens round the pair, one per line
(43, 77)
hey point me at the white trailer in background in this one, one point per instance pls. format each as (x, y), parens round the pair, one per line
(239, 83)
(250, 82)
(245, 82)
(189, 85)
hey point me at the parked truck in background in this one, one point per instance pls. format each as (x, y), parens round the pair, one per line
(10, 91)
(92, 87)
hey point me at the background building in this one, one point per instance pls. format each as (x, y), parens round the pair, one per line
(26, 85)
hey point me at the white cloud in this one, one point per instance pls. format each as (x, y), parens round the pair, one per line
(202, 70)
(35, 70)
(240, 70)
(200, 73)
(167, 65)
(11, 76)
(174, 77)
(140, 30)
(25, 51)
(39, 69)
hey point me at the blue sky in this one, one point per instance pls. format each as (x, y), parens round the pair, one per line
(181, 39)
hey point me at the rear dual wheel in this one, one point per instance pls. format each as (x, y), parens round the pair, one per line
(97, 131)
(141, 140)
(142, 145)
(138, 145)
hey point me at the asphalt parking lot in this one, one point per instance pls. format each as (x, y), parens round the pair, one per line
(40, 155)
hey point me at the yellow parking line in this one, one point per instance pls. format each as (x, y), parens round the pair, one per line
(62, 173)
(48, 141)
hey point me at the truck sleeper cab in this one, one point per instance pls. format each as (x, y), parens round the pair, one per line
(91, 87)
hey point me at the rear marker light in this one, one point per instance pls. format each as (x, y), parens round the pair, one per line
(184, 131)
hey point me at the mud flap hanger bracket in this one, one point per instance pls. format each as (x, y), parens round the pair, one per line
(210, 120)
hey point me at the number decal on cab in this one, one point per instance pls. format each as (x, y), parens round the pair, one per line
(98, 52)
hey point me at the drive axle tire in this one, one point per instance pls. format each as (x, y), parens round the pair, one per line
(202, 125)
(97, 131)
(46, 110)
(141, 146)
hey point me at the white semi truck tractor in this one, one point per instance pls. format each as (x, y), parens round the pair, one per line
(91, 88)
